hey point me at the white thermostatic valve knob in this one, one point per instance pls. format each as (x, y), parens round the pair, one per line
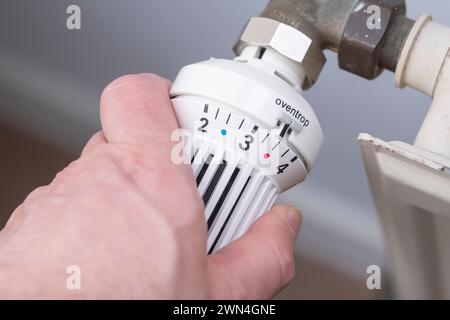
(248, 133)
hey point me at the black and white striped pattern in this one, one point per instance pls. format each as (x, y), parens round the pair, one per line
(234, 195)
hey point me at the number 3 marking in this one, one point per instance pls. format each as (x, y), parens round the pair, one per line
(248, 141)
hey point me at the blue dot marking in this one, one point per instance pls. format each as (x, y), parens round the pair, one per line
(223, 132)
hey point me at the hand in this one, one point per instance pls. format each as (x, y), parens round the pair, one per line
(134, 222)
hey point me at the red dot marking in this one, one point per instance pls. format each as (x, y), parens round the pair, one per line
(266, 156)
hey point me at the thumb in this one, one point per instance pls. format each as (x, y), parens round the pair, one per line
(261, 263)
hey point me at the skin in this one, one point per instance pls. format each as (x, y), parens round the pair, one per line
(134, 222)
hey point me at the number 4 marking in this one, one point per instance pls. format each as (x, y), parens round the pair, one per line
(282, 168)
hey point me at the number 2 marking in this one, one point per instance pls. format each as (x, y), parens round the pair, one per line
(205, 123)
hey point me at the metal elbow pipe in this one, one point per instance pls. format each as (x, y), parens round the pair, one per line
(341, 26)
(320, 23)
(323, 20)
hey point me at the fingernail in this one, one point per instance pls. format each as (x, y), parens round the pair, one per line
(294, 219)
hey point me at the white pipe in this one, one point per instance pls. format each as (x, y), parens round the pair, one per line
(425, 65)
(434, 135)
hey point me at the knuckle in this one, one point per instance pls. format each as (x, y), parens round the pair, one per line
(243, 292)
(70, 171)
(287, 267)
(104, 172)
(37, 192)
(44, 203)
(130, 161)
(286, 261)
